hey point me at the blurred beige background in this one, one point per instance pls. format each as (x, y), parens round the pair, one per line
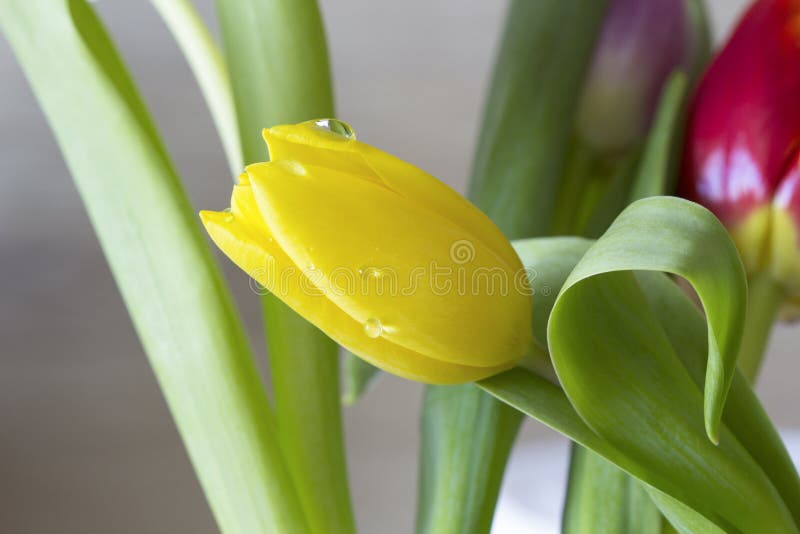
(86, 443)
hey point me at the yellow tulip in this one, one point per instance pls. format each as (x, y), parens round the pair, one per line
(386, 260)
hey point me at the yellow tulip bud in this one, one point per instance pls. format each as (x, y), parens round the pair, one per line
(385, 259)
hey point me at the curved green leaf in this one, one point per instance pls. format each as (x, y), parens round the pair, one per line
(150, 235)
(621, 374)
(653, 173)
(659, 164)
(685, 329)
(209, 69)
(617, 364)
(548, 260)
(684, 325)
(682, 518)
(677, 236)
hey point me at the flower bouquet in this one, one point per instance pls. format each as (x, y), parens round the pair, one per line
(631, 234)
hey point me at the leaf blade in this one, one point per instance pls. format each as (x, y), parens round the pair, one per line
(172, 288)
(672, 235)
(277, 56)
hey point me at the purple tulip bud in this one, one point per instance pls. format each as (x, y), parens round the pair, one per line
(641, 43)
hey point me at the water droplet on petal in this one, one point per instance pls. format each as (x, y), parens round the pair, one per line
(336, 127)
(311, 267)
(373, 328)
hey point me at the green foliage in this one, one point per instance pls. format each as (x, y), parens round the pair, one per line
(278, 62)
(636, 359)
(150, 235)
(526, 128)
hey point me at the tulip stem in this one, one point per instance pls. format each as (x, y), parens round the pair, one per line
(305, 382)
(765, 297)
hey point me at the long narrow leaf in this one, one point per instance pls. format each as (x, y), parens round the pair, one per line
(527, 122)
(659, 164)
(545, 49)
(171, 286)
(209, 70)
(278, 62)
(603, 499)
(457, 456)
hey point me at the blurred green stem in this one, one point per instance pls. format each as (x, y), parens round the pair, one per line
(765, 297)
(467, 437)
(304, 370)
(208, 67)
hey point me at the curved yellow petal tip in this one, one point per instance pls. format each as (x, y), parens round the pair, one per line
(207, 216)
(326, 133)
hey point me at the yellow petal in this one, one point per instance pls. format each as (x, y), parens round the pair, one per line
(435, 276)
(785, 258)
(312, 145)
(268, 264)
(752, 237)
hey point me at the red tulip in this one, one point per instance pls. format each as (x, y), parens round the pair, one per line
(742, 157)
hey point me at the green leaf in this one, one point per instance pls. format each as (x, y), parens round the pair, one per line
(528, 118)
(462, 464)
(278, 61)
(358, 375)
(761, 459)
(602, 499)
(548, 403)
(548, 260)
(765, 298)
(681, 518)
(614, 198)
(702, 41)
(621, 368)
(150, 235)
(661, 154)
(684, 324)
(209, 69)
(527, 123)
(598, 493)
(653, 174)
(305, 387)
(676, 236)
